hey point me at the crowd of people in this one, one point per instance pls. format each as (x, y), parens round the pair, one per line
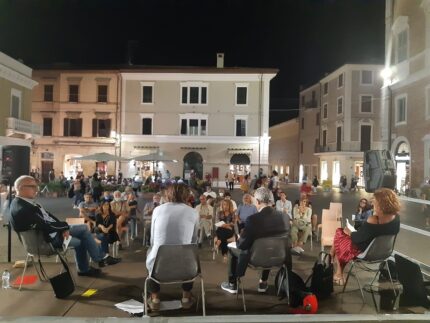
(177, 215)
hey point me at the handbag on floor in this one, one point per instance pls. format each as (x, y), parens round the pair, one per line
(322, 276)
(62, 284)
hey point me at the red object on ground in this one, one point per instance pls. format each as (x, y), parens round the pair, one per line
(310, 306)
(27, 280)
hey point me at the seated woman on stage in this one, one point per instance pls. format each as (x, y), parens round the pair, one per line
(385, 221)
(106, 226)
(226, 230)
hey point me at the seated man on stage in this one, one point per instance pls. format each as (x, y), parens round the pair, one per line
(267, 222)
(26, 215)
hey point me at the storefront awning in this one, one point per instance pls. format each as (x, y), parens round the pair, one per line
(240, 159)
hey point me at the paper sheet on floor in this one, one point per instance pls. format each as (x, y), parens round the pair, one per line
(131, 306)
(232, 245)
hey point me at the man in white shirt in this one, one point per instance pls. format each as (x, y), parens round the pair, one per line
(206, 213)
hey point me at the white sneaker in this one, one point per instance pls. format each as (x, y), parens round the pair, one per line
(300, 249)
(296, 249)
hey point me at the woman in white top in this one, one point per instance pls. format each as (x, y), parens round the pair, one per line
(173, 222)
(284, 206)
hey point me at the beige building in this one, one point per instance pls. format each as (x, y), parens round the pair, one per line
(407, 88)
(77, 110)
(309, 131)
(16, 84)
(209, 120)
(284, 149)
(350, 120)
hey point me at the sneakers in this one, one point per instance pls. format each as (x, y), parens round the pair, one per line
(300, 249)
(92, 272)
(262, 287)
(188, 302)
(297, 250)
(108, 261)
(154, 304)
(229, 287)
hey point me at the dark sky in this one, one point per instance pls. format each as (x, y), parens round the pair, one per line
(302, 38)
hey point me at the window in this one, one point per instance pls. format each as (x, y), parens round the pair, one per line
(303, 123)
(301, 147)
(48, 93)
(317, 119)
(401, 110)
(47, 126)
(325, 90)
(73, 93)
(72, 127)
(324, 138)
(241, 94)
(340, 105)
(365, 137)
(366, 77)
(340, 81)
(240, 127)
(339, 138)
(101, 127)
(194, 125)
(15, 104)
(402, 46)
(147, 93)
(146, 126)
(325, 111)
(193, 94)
(366, 103)
(102, 93)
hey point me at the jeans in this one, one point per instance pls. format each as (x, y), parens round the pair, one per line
(104, 242)
(79, 197)
(83, 242)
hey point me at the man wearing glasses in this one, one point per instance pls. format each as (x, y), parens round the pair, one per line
(26, 214)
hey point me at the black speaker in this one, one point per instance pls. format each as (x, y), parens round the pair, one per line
(15, 162)
(379, 170)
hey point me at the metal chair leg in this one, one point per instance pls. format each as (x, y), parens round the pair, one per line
(203, 297)
(23, 272)
(145, 298)
(239, 282)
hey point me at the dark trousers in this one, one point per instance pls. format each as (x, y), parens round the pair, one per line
(231, 185)
(238, 262)
(223, 235)
(154, 287)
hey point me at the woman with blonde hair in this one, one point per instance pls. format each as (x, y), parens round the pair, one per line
(385, 221)
(224, 231)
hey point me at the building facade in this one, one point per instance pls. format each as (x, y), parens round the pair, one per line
(16, 84)
(207, 120)
(78, 112)
(407, 89)
(350, 120)
(309, 131)
(284, 149)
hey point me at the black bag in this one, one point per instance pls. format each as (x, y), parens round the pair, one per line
(322, 276)
(295, 285)
(62, 284)
(71, 193)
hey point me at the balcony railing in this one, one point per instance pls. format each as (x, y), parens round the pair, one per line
(19, 127)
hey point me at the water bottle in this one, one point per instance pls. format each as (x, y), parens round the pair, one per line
(5, 279)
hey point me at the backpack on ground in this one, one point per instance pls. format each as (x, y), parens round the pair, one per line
(295, 284)
(322, 276)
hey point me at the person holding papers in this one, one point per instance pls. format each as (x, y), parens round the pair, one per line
(26, 215)
(224, 226)
(348, 243)
(267, 222)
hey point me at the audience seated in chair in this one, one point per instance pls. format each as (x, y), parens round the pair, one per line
(226, 230)
(147, 217)
(87, 210)
(205, 212)
(121, 210)
(385, 221)
(173, 223)
(302, 215)
(266, 223)
(106, 226)
(245, 210)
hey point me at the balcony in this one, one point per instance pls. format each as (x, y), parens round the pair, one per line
(22, 129)
(311, 104)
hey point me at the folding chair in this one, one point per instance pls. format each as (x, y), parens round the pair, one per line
(35, 244)
(378, 251)
(337, 208)
(267, 253)
(176, 264)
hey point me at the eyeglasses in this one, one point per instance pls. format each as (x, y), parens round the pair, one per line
(31, 186)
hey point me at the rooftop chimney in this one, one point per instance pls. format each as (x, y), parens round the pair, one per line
(220, 60)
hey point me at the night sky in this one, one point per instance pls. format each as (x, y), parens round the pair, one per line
(302, 38)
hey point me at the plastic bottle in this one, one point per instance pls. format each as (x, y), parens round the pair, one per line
(5, 279)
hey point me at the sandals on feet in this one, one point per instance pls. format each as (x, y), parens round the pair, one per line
(338, 281)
